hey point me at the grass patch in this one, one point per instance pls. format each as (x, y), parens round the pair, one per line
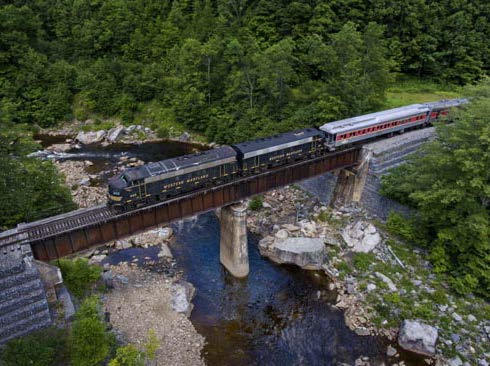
(362, 261)
(409, 90)
(327, 217)
(256, 203)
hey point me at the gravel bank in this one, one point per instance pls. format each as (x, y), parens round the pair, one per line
(143, 303)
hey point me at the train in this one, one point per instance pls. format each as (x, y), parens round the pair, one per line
(159, 181)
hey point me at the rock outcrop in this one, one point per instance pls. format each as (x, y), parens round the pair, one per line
(361, 236)
(182, 293)
(115, 133)
(418, 337)
(307, 253)
(90, 137)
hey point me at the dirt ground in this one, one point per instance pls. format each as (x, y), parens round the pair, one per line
(143, 303)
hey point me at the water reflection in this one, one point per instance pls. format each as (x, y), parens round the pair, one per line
(278, 315)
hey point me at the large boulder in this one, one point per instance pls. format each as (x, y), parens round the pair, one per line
(90, 137)
(115, 133)
(418, 337)
(60, 148)
(361, 236)
(164, 233)
(182, 293)
(307, 253)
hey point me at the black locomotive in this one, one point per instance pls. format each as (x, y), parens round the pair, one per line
(165, 179)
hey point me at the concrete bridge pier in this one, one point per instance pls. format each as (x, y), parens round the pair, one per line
(351, 181)
(233, 241)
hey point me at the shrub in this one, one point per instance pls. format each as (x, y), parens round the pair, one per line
(128, 356)
(255, 203)
(44, 348)
(163, 132)
(78, 275)
(464, 285)
(362, 261)
(88, 340)
(406, 229)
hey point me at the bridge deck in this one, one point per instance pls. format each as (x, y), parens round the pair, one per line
(61, 235)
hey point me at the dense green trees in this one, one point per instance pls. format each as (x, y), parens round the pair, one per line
(228, 69)
(89, 342)
(449, 185)
(30, 189)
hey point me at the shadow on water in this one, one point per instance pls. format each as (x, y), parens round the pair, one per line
(104, 158)
(278, 315)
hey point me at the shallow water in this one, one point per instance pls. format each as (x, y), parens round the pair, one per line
(278, 315)
(105, 158)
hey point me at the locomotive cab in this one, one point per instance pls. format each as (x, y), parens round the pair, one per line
(117, 189)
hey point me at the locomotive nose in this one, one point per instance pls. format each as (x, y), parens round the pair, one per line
(115, 186)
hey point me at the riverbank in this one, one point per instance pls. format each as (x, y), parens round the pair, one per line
(142, 301)
(364, 281)
(143, 294)
(111, 131)
(381, 281)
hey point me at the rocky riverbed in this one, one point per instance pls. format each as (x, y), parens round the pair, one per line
(141, 301)
(384, 286)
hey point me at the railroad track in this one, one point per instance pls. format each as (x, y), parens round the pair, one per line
(56, 225)
(87, 217)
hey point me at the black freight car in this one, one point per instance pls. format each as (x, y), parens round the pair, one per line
(167, 178)
(267, 152)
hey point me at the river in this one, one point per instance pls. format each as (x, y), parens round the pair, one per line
(278, 315)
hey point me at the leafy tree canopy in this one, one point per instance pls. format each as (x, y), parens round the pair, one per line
(449, 184)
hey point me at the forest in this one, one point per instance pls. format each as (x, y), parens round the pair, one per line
(233, 70)
(229, 70)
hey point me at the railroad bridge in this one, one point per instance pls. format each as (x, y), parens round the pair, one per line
(62, 235)
(25, 249)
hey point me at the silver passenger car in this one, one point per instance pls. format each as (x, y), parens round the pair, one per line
(352, 130)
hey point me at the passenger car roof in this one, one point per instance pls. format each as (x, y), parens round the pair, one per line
(366, 120)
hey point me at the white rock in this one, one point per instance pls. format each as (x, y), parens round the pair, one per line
(182, 293)
(390, 351)
(456, 361)
(471, 318)
(84, 182)
(115, 133)
(371, 287)
(97, 258)
(282, 234)
(164, 251)
(165, 233)
(308, 227)
(90, 137)
(361, 236)
(386, 280)
(457, 317)
(307, 253)
(122, 244)
(418, 337)
(266, 204)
